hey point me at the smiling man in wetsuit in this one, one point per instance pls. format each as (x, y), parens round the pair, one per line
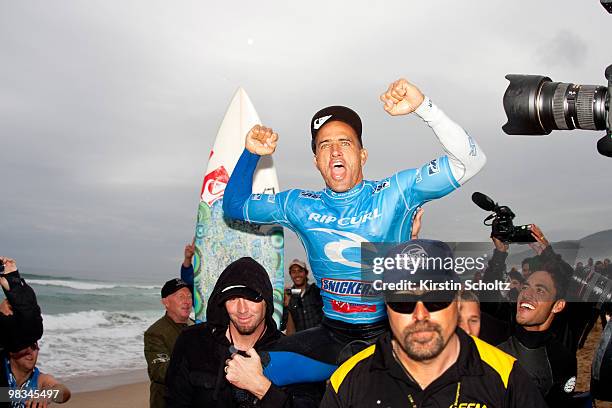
(334, 222)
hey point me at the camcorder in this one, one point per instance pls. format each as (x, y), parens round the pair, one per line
(535, 105)
(501, 221)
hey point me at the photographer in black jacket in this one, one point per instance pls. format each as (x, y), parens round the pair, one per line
(20, 320)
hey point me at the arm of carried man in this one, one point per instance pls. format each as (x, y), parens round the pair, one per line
(247, 373)
(239, 203)
(465, 157)
(442, 175)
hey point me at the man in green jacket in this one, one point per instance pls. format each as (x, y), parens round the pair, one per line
(159, 339)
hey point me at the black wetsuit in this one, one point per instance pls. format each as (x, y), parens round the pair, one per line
(547, 361)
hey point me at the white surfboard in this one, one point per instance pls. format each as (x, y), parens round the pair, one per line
(220, 241)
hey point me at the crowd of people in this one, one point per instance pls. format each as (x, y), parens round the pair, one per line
(344, 346)
(534, 329)
(347, 348)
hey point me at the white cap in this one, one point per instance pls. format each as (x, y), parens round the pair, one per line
(298, 263)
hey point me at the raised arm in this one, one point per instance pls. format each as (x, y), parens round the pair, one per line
(187, 265)
(239, 187)
(238, 202)
(464, 155)
(24, 326)
(259, 141)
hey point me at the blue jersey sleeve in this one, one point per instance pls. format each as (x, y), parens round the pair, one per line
(268, 208)
(430, 181)
(239, 203)
(240, 185)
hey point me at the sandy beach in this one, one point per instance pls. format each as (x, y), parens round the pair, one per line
(125, 396)
(102, 392)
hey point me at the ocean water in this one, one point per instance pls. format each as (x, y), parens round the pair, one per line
(92, 327)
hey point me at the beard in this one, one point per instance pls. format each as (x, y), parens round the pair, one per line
(246, 329)
(422, 349)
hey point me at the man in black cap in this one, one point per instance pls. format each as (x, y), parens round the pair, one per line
(216, 364)
(334, 222)
(426, 360)
(160, 337)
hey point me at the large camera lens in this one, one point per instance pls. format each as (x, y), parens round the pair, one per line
(535, 105)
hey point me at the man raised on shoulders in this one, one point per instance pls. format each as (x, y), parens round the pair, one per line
(350, 210)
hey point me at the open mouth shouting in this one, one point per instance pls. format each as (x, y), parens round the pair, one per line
(337, 169)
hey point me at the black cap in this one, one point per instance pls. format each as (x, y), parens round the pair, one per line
(435, 264)
(332, 113)
(172, 286)
(241, 291)
(244, 278)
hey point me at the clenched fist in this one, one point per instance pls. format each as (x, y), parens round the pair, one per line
(401, 98)
(261, 140)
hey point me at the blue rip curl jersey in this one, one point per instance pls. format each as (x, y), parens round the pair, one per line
(333, 225)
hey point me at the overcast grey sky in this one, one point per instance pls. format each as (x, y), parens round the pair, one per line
(108, 111)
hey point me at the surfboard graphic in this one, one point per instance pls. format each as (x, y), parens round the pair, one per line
(219, 241)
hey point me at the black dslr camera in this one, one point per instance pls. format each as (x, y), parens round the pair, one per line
(535, 105)
(502, 226)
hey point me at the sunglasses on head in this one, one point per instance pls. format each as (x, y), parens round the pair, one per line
(433, 301)
(257, 299)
